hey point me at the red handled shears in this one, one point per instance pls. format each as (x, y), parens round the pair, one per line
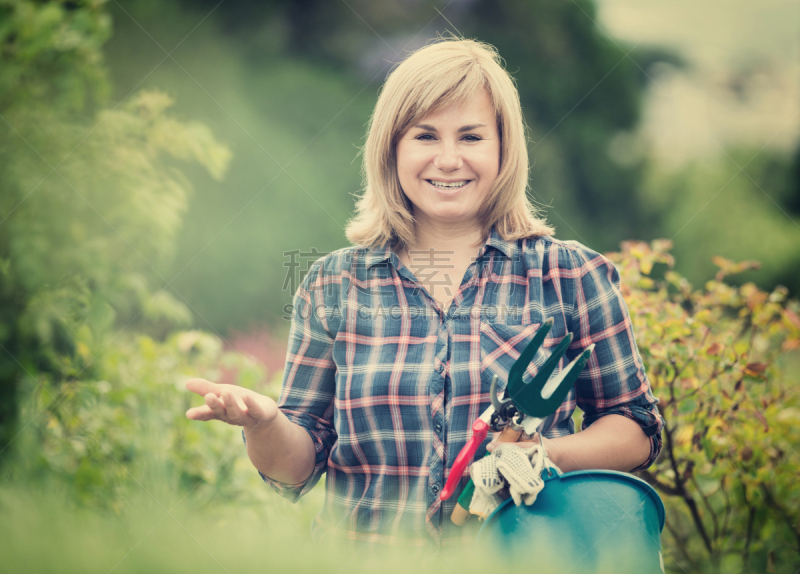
(525, 405)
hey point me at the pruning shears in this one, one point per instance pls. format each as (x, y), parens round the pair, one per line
(524, 406)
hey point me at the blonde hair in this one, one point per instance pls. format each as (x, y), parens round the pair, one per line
(450, 71)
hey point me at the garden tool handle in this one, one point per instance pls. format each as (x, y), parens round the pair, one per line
(479, 431)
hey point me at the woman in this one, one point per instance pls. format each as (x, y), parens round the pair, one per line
(394, 342)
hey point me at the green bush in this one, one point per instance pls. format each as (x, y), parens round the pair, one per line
(92, 198)
(93, 195)
(109, 436)
(718, 360)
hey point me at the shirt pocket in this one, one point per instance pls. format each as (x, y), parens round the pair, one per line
(501, 346)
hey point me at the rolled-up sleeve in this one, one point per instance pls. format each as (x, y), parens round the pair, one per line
(309, 378)
(614, 380)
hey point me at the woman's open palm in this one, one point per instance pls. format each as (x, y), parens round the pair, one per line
(231, 404)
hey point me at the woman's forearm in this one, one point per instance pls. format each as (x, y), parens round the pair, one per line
(282, 450)
(612, 442)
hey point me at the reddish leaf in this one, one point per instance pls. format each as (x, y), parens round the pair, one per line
(791, 344)
(755, 369)
(792, 317)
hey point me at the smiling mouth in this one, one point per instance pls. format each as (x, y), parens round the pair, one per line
(449, 186)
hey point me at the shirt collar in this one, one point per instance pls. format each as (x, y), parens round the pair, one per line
(377, 255)
(508, 248)
(382, 253)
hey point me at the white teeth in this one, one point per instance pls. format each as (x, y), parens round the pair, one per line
(453, 185)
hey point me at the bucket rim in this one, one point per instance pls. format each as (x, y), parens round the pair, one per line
(635, 480)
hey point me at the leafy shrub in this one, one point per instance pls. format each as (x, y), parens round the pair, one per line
(104, 438)
(717, 359)
(91, 200)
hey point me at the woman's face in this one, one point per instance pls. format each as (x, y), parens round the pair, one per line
(448, 162)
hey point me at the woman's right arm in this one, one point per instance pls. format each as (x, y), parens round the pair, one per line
(289, 442)
(277, 447)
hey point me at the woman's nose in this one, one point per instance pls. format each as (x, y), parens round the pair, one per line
(448, 158)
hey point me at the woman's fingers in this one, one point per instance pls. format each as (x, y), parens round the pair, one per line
(231, 404)
(510, 435)
(202, 413)
(255, 410)
(236, 414)
(493, 443)
(215, 404)
(202, 387)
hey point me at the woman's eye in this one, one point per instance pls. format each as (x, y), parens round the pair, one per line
(432, 137)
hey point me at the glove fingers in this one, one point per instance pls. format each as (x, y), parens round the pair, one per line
(515, 465)
(483, 504)
(485, 475)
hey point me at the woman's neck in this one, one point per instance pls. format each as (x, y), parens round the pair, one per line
(440, 257)
(458, 238)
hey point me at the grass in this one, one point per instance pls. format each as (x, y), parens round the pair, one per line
(42, 531)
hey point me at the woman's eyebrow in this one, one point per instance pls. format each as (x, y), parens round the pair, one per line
(468, 128)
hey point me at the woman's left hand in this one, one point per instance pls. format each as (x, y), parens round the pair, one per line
(519, 437)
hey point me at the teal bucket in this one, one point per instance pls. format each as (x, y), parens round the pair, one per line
(583, 521)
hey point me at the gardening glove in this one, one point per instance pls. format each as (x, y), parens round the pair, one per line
(488, 482)
(483, 503)
(485, 475)
(522, 468)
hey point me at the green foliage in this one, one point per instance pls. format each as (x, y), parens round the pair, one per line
(717, 359)
(581, 96)
(107, 436)
(51, 55)
(293, 85)
(196, 539)
(294, 127)
(91, 200)
(712, 207)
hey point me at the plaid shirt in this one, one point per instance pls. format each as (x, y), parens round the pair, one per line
(388, 384)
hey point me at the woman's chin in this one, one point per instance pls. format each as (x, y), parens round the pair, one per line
(453, 216)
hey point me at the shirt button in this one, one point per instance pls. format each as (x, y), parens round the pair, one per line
(440, 367)
(435, 489)
(438, 428)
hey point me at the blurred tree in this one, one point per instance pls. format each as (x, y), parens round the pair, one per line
(581, 96)
(580, 93)
(293, 84)
(89, 204)
(792, 198)
(713, 206)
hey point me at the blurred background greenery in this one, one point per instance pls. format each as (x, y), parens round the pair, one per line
(161, 160)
